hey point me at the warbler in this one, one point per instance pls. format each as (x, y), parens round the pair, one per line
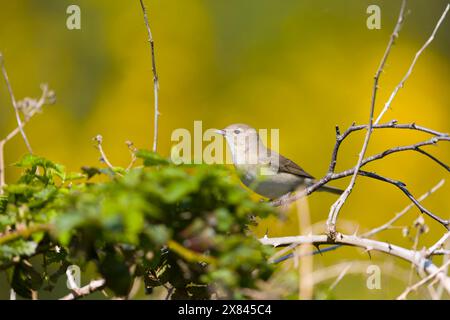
(263, 170)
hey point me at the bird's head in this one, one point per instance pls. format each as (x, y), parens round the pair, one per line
(241, 138)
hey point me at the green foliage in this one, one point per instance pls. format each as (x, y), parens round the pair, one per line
(181, 227)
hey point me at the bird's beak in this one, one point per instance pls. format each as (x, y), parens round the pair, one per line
(219, 131)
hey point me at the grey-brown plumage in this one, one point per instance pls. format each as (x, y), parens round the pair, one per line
(263, 170)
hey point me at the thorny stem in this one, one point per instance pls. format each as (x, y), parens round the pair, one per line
(336, 207)
(155, 77)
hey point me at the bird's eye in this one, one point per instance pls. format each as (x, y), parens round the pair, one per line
(237, 131)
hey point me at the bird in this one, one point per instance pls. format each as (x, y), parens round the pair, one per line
(263, 170)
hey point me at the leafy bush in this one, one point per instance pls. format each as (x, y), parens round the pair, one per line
(182, 227)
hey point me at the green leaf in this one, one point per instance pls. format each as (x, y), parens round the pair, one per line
(5, 221)
(159, 234)
(17, 248)
(90, 171)
(151, 158)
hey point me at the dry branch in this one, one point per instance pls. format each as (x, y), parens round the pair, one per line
(29, 107)
(413, 63)
(432, 251)
(414, 257)
(434, 274)
(93, 286)
(99, 145)
(155, 76)
(14, 103)
(336, 207)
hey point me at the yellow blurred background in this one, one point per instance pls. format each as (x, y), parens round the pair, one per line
(300, 66)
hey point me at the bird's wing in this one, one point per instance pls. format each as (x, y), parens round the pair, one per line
(288, 166)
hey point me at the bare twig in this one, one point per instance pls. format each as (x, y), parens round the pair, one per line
(169, 293)
(329, 177)
(133, 151)
(413, 63)
(306, 266)
(155, 76)
(30, 108)
(420, 262)
(340, 276)
(403, 188)
(432, 251)
(334, 271)
(134, 288)
(440, 252)
(389, 125)
(439, 162)
(403, 212)
(93, 286)
(99, 140)
(14, 103)
(446, 259)
(33, 107)
(419, 231)
(413, 147)
(336, 207)
(439, 244)
(435, 273)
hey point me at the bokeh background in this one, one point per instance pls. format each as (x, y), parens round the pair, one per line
(300, 66)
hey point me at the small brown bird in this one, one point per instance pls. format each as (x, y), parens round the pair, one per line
(263, 170)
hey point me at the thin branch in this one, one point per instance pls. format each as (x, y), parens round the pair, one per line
(432, 251)
(439, 162)
(14, 103)
(99, 139)
(34, 107)
(93, 286)
(389, 125)
(413, 63)
(435, 273)
(403, 212)
(439, 244)
(335, 176)
(306, 267)
(340, 276)
(155, 76)
(334, 271)
(31, 107)
(419, 231)
(413, 147)
(420, 262)
(133, 151)
(403, 188)
(441, 252)
(336, 207)
(331, 175)
(169, 293)
(440, 288)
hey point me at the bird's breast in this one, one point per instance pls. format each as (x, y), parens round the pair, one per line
(268, 182)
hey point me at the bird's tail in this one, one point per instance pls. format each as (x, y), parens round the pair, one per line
(331, 190)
